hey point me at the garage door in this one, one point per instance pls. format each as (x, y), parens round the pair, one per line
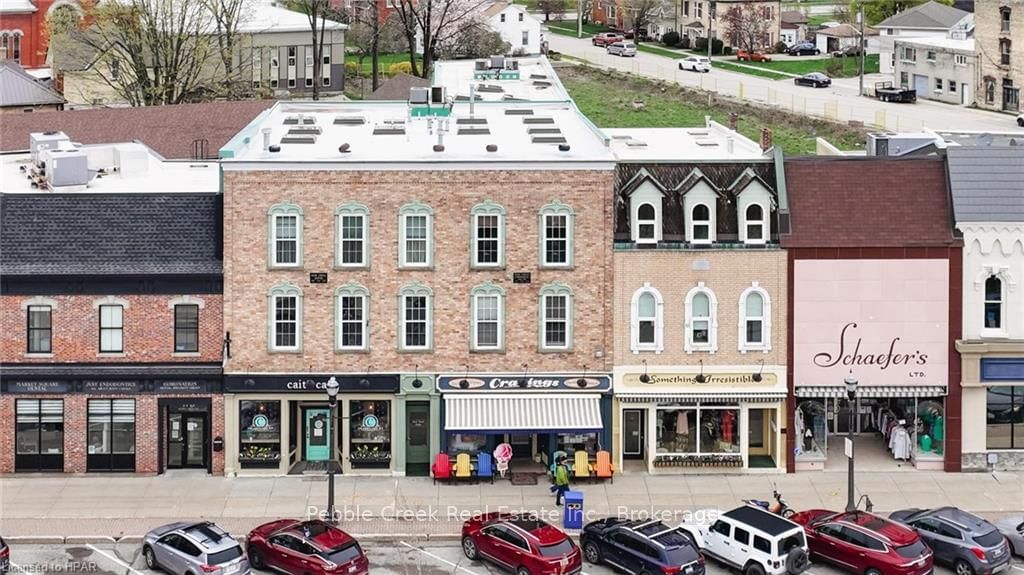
(921, 85)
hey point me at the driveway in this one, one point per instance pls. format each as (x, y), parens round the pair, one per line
(839, 102)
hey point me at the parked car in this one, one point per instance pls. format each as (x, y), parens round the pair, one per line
(862, 542)
(641, 547)
(757, 542)
(813, 79)
(803, 49)
(522, 544)
(1020, 120)
(695, 63)
(624, 48)
(1013, 529)
(5, 557)
(606, 38)
(853, 50)
(305, 547)
(189, 547)
(966, 542)
(754, 56)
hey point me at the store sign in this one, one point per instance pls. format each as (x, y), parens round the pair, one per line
(369, 383)
(477, 383)
(1002, 369)
(690, 379)
(181, 386)
(113, 386)
(884, 321)
(104, 387)
(38, 387)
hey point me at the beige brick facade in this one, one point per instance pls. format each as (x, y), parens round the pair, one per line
(451, 194)
(990, 35)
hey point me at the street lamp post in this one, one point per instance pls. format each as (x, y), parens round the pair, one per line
(332, 401)
(851, 397)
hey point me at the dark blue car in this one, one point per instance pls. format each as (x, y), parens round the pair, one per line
(649, 547)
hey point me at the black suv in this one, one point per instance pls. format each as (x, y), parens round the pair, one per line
(5, 557)
(641, 547)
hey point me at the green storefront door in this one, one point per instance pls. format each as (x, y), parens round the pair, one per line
(417, 426)
(318, 433)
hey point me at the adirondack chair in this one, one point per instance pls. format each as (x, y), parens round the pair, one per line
(484, 469)
(603, 468)
(555, 457)
(581, 467)
(442, 468)
(463, 466)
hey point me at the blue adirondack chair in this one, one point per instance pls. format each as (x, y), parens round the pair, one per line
(484, 468)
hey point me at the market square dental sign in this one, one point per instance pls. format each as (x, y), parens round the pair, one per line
(887, 321)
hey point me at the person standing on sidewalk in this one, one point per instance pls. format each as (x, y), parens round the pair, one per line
(561, 480)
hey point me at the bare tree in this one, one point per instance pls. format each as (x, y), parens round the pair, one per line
(369, 35)
(551, 7)
(227, 16)
(746, 26)
(319, 12)
(152, 52)
(642, 14)
(433, 23)
(474, 42)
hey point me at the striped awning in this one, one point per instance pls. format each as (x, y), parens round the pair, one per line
(522, 413)
(763, 397)
(873, 391)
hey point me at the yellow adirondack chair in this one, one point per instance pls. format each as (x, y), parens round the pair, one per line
(581, 467)
(463, 467)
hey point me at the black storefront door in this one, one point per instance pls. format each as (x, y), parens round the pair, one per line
(186, 440)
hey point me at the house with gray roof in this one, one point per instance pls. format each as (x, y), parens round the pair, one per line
(929, 20)
(20, 92)
(988, 210)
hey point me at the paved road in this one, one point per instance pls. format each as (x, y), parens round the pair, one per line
(398, 558)
(840, 102)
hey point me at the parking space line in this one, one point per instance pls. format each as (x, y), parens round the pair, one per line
(441, 559)
(1017, 567)
(114, 559)
(18, 567)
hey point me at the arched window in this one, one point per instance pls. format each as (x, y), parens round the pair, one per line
(416, 309)
(556, 235)
(755, 224)
(488, 228)
(556, 317)
(488, 317)
(700, 224)
(993, 303)
(351, 313)
(416, 230)
(701, 320)
(755, 325)
(646, 222)
(352, 222)
(285, 235)
(647, 320)
(284, 318)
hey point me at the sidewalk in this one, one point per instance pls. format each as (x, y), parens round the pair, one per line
(43, 505)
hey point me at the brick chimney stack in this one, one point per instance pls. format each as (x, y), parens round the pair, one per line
(733, 119)
(766, 139)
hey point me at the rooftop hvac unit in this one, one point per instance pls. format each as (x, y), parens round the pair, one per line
(419, 95)
(66, 168)
(497, 62)
(131, 159)
(437, 95)
(39, 141)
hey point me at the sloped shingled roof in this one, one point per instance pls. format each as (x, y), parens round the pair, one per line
(867, 203)
(19, 88)
(116, 234)
(986, 183)
(927, 15)
(169, 130)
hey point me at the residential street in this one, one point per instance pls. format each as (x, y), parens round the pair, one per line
(840, 102)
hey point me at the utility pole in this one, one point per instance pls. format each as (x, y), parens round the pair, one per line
(579, 18)
(711, 19)
(863, 50)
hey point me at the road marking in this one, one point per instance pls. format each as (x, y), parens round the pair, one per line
(18, 567)
(441, 559)
(1017, 567)
(114, 559)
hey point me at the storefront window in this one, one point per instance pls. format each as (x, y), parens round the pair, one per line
(719, 431)
(40, 426)
(370, 437)
(111, 434)
(570, 443)
(466, 442)
(260, 434)
(1005, 429)
(810, 428)
(931, 429)
(677, 430)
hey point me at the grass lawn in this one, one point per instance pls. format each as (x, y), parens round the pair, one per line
(384, 60)
(819, 19)
(568, 28)
(834, 67)
(676, 54)
(607, 99)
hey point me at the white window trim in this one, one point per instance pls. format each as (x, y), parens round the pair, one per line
(415, 209)
(352, 209)
(488, 289)
(284, 290)
(43, 301)
(1008, 285)
(744, 222)
(712, 345)
(487, 208)
(415, 289)
(556, 208)
(556, 289)
(659, 321)
(185, 300)
(284, 209)
(352, 289)
(766, 320)
(691, 224)
(649, 191)
(112, 302)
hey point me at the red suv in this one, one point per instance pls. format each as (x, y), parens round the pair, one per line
(606, 38)
(865, 543)
(521, 543)
(310, 548)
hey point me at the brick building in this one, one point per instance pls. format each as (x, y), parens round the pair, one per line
(22, 24)
(998, 30)
(472, 261)
(876, 300)
(110, 311)
(700, 282)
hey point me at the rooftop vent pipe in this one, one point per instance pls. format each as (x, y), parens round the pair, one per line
(274, 149)
(345, 148)
(472, 99)
(266, 139)
(492, 147)
(563, 147)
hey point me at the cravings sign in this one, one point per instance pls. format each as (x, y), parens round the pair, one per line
(887, 321)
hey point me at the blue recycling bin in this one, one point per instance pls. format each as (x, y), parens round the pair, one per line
(573, 516)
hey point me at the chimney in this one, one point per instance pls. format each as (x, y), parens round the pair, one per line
(266, 139)
(766, 139)
(733, 119)
(730, 145)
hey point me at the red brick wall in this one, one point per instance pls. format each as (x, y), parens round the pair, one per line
(148, 330)
(33, 48)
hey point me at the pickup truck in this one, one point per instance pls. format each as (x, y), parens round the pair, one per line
(606, 38)
(886, 92)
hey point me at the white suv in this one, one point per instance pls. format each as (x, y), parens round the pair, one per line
(757, 542)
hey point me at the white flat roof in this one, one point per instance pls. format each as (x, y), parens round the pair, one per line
(537, 81)
(966, 45)
(265, 16)
(154, 175)
(387, 136)
(709, 142)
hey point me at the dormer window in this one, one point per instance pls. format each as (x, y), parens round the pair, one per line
(646, 223)
(645, 209)
(700, 224)
(993, 303)
(754, 224)
(700, 203)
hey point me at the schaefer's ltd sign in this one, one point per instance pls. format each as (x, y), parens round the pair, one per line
(690, 379)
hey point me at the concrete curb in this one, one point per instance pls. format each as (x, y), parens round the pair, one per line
(88, 539)
(36, 540)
